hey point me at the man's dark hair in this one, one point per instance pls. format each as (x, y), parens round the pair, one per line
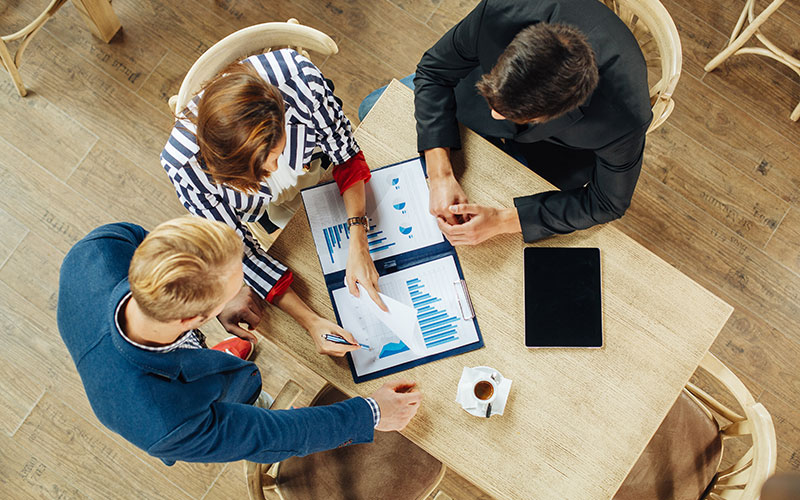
(546, 71)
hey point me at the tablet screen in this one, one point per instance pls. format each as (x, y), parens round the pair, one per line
(562, 297)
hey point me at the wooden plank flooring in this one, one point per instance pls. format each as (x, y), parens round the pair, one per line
(719, 198)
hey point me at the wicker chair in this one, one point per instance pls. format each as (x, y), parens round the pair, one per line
(99, 16)
(741, 35)
(364, 472)
(255, 39)
(684, 459)
(658, 38)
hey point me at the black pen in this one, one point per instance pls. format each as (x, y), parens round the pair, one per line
(332, 337)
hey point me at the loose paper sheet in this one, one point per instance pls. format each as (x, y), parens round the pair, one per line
(429, 290)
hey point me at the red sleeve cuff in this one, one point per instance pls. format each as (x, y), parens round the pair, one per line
(353, 170)
(281, 286)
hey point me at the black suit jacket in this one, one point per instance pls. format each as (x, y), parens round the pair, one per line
(611, 123)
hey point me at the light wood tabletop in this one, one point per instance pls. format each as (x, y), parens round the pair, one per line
(576, 419)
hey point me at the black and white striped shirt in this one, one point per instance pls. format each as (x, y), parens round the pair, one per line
(313, 119)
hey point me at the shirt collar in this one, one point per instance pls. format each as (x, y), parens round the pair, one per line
(166, 348)
(192, 364)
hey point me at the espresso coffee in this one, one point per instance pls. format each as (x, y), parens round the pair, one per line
(484, 390)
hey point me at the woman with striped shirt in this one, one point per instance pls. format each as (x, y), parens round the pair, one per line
(242, 150)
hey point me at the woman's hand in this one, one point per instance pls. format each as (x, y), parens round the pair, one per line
(315, 325)
(319, 327)
(361, 268)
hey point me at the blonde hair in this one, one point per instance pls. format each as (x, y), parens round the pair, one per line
(176, 272)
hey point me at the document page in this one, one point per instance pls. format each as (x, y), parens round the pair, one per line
(430, 290)
(397, 208)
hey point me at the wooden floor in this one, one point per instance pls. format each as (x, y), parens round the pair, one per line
(719, 199)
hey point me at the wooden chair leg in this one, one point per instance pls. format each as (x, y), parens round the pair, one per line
(8, 64)
(744, 36)
(99, 17)
(258, 479)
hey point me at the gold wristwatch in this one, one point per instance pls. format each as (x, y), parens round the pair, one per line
(356, 221)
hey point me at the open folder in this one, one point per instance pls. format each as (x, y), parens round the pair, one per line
(430, 313)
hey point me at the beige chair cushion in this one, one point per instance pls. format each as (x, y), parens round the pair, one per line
(681, 459)
(392, 467)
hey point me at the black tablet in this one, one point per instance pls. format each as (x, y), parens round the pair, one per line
(562, 297)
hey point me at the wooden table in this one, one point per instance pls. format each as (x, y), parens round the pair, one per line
(576, 420)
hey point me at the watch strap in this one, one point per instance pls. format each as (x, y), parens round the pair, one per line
(356, 221)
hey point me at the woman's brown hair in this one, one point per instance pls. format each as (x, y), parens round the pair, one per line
(240, 119)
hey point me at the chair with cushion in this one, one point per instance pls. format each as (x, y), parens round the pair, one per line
(390, 468)
(256, 39)
(705, 450)
(658, 38)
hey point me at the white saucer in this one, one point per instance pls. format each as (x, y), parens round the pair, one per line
(465, 391)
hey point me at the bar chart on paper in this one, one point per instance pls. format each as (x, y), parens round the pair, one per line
(429, 289)
(336, 235)
(437, 324)
(397, 209)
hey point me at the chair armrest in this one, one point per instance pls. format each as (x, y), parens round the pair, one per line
(256, 475)
(289, 393)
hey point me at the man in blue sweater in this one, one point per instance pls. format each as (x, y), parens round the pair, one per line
(128, 309)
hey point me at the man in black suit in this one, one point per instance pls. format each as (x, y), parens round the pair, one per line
(559, 84)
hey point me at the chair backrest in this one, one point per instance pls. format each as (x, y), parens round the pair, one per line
(743, 479)
(658, 38)
(254, 39)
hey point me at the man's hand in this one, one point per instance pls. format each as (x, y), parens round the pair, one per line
(399, 402)
(446, 191)
(321, 326)
(483, 223)
(247, 307)
(361, 268)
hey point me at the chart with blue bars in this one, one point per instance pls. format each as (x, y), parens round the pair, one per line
(335, 235)
(438, 326)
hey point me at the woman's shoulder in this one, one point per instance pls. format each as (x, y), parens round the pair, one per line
(181, 146)
(285, 68)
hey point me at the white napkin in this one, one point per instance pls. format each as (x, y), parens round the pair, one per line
(466, 398)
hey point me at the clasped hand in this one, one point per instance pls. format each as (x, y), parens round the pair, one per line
(465, 223)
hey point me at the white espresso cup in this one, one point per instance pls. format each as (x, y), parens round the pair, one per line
(484, 390)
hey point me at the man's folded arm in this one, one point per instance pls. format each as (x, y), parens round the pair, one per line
(605, 198)
(232, 431)
(452, 58)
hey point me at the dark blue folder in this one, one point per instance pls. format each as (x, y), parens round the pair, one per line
(389, 265)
